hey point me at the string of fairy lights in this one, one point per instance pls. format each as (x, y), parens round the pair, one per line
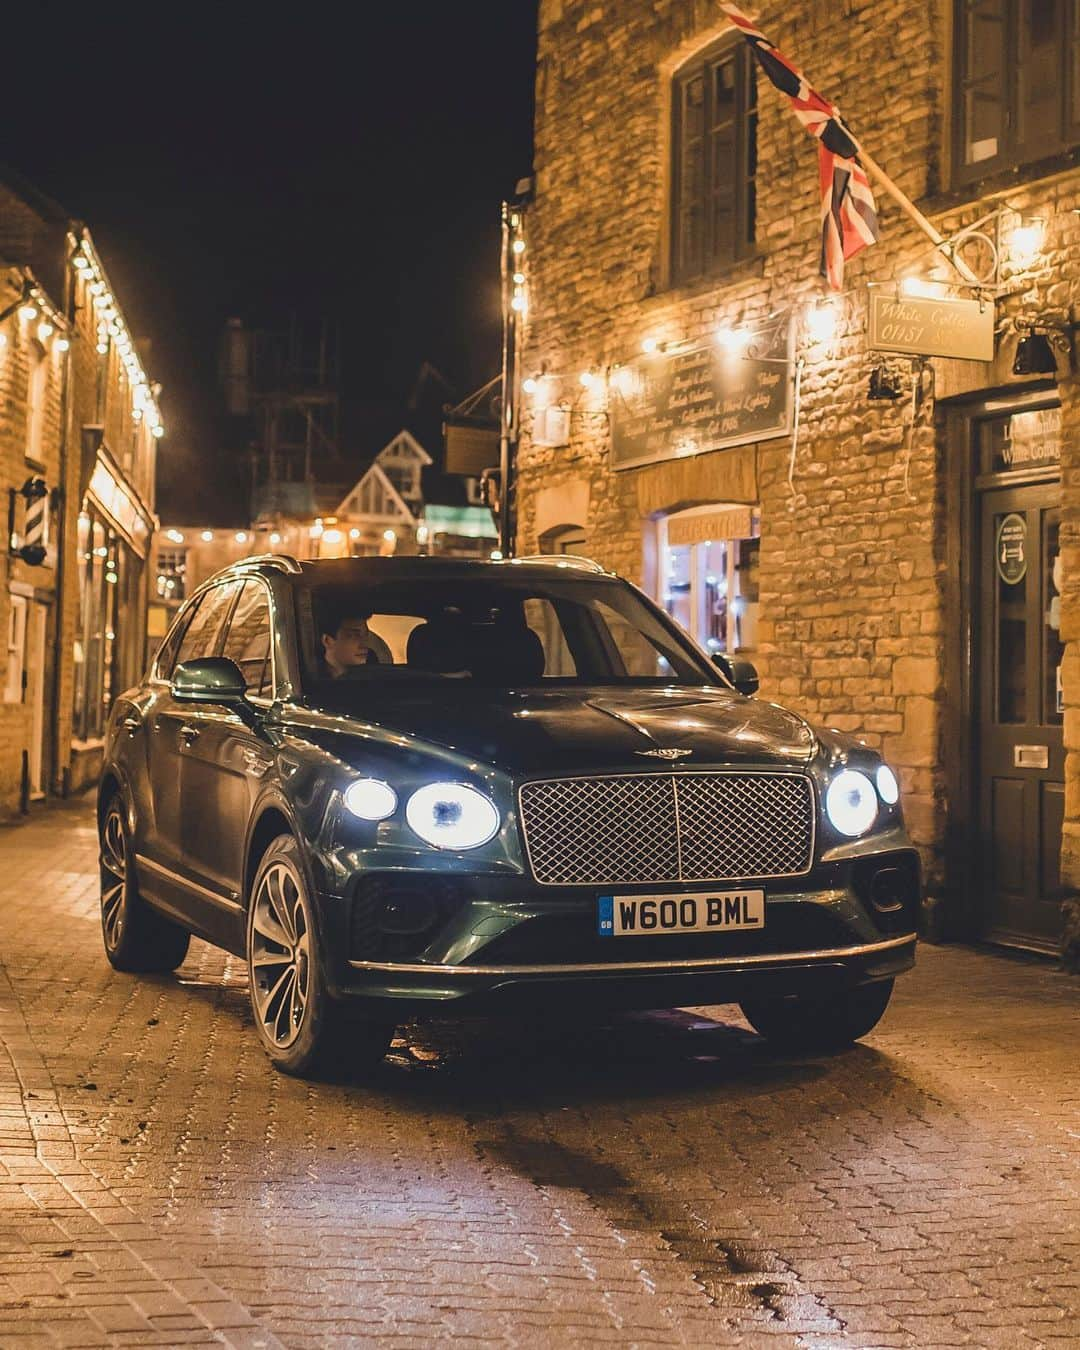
(1020, 246)
(112, 334)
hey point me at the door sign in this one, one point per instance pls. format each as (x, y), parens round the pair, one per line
(1011, 549)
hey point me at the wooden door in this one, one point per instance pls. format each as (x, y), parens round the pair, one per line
(1019, 752)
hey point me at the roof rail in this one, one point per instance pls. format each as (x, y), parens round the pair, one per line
(563, 560)
(283, 562)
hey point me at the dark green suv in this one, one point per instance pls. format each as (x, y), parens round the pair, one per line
(418, 786)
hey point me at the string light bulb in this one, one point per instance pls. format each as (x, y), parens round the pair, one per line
(28, 312)
(587, 379)
(649, 345)
(207, 536)
(62, 344)
(518, 246)
(821, 320)
(732, 340)
(1026, 241)
(530, 385)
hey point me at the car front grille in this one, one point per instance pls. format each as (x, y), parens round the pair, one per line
(624, 829)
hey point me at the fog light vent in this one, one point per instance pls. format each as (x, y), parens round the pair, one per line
(890, 887)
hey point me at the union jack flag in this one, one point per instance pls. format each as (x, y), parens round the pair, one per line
(848, 215)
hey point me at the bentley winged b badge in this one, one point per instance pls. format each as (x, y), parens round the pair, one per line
(665, 752)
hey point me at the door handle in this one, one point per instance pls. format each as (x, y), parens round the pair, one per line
(188, 734)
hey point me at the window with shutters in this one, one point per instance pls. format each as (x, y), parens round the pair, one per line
(714, 161)
(1017, 83)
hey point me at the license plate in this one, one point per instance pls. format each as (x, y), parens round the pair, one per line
(709, 912)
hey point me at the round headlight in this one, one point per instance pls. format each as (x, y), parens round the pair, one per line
(371, 799)
(452, 815)
(851, 802)
(887, 786)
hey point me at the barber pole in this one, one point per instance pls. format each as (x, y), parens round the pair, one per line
(33, 547)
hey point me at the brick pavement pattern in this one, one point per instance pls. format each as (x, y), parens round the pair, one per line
(653, 1180)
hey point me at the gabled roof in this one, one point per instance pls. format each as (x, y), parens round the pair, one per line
(376, 484)
(404, 436)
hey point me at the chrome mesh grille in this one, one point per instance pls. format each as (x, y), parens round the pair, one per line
(668, 828)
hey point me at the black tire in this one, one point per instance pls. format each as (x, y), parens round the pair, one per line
(303, 1030)
(137, 938)
(823, 1022)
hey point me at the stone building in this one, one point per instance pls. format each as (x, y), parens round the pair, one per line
(79, 425)
(891, 535)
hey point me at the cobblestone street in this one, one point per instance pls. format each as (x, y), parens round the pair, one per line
(658, 1180)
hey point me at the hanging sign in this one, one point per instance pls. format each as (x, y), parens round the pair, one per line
(922, 327)
(669, 404)
(1011, 548)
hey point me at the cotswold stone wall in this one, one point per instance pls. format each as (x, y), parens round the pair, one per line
(854, 554)
(36, 586)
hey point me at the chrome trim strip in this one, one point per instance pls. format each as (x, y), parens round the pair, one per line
(222, 900)
(682, 771)
(696, 963)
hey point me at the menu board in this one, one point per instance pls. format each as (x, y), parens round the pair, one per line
(669, 404)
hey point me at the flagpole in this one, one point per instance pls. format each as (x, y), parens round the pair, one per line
(910, 209)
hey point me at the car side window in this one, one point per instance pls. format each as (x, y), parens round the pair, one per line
(248, 640)
(166, 657)
(203, 632)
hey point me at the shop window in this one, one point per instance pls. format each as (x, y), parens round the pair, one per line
(36, 392)
(109, 651)
(709, 585)
(714, 161)
(1016, 87)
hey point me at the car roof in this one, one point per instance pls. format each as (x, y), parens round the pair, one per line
(338, 571)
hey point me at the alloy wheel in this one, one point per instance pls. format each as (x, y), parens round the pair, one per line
(280, 955)
(113, 877)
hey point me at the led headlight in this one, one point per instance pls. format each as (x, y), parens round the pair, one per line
(371, 799)
(887, 786)
(452, 815)
(851, 802)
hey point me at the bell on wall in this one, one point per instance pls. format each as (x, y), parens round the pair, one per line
(1034, 356)
(885, 383)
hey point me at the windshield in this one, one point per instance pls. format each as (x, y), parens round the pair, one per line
(517, 632)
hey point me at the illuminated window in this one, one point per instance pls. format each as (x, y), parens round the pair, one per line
(714, 161)
(710, 585)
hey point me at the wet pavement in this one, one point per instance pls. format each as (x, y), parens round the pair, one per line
(654, 1180)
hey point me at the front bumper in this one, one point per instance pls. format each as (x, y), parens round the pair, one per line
(495, 942)
(419, 988)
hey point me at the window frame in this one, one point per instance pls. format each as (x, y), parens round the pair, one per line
(744, 205)
(1013, 154)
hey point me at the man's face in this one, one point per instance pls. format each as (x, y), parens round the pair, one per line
(348, 647)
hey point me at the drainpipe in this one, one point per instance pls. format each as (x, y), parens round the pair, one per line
(60, 775)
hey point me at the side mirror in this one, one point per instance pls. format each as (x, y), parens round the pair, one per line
(213, 679)
(742, 673)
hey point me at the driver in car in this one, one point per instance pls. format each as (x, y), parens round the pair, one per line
(348, 642)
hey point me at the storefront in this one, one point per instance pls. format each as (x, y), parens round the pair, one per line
(708, 574)
(114, 532)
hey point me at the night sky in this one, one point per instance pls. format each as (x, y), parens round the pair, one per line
(251, 162)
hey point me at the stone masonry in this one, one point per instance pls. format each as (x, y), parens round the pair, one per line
(853, 563)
